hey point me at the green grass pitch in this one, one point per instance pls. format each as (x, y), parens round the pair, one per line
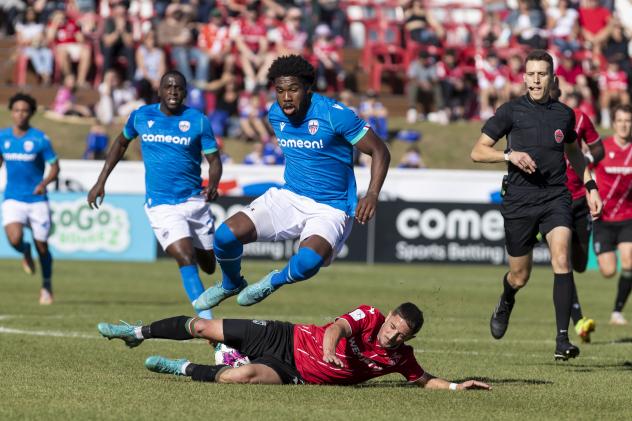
(54, 365)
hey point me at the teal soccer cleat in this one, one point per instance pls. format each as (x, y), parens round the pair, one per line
(257, 292)
(215, 295)
(159, 364)
(124, 331)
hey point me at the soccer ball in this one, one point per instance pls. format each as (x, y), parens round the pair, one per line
(229, 356)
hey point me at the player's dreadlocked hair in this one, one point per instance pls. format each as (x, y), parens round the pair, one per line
(23, 97)
(412, 315)
(292, 65)
(174, 73)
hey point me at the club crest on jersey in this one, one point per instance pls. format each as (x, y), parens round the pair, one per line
(312, 126)
(7, 144)
(184, 126)
(282, 125)
(611, 155)
(559, 136)
(150, 123)
(28, 146)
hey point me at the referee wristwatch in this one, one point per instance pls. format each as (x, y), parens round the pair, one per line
(507, 153)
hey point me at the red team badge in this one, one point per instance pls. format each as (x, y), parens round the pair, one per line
(559, 136)
(312, 126)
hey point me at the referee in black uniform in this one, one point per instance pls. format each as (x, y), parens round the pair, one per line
(539, 131)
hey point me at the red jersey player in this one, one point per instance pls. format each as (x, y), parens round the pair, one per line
(357, 346)
(614, 231)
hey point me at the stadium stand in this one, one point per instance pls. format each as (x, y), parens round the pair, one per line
(355, 45)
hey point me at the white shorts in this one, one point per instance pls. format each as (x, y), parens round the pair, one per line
(280, 214)
(192, 218)
(34, 215)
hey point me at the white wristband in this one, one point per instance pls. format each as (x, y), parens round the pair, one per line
(453, 386)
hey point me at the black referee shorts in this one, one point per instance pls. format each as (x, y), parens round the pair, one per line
(527, 211)
(608, 235)
(270, 343)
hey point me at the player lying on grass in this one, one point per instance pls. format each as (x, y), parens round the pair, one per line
(358, 346)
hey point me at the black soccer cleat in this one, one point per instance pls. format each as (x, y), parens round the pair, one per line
(565, 350)
(500, 318)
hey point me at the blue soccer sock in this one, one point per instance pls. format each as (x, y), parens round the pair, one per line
(46, 262)
(303, 265)
(228, 252)
(193, 286)
(21, 246)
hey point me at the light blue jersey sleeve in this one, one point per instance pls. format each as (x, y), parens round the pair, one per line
(48, 153)
(209, 145)
(129, 131)
(347, 124)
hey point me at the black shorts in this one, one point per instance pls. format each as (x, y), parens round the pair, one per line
(609, 234)
(527, 211)
(270, 343)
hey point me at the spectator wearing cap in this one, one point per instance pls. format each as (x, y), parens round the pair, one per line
(411, 158)
(422, 86)
(374, 113)
(328, 55)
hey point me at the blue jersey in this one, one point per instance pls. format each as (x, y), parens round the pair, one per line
(319, 151)
(26, 159)
(172, 148)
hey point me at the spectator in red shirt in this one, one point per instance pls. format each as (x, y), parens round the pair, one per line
(356, 347)
(595, 22)
(214, 41)
(69, 46)
(328, 55)
(250, 38)
(613, 85)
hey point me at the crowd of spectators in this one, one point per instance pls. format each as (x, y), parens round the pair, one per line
(454, 59)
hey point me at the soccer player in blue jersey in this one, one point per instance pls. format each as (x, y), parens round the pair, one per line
(26, 152)
(173, 138)
(318, 202)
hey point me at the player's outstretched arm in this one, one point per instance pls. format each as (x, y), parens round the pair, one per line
(333, 334)
(372, 145)
(429, 381)
(116, 152)
(214, 175)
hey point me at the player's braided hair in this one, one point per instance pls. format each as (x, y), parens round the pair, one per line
(292, 65)
(23, 97)
(412, 315)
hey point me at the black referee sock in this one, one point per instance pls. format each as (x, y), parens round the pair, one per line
(171, 328)
(562, 297)
(623, 291)
(509, 293)
(576, 309)
(204, 373)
